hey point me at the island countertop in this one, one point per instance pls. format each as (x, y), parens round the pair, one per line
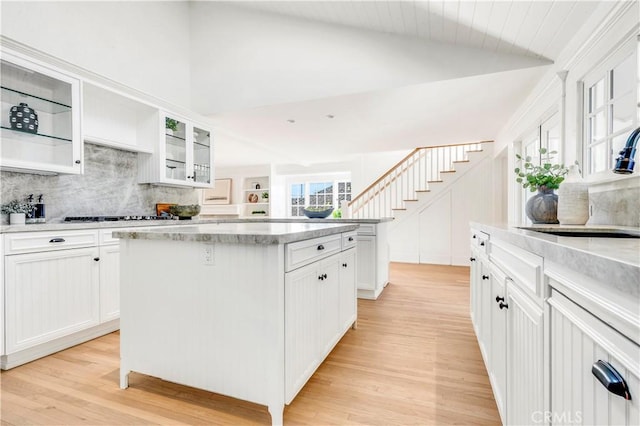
(239, 233)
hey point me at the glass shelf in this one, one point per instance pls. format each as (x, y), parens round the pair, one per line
(175, 161)
(15, 97)
(34, 137)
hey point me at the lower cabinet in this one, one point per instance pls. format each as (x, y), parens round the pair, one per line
(60, 289)
(49, 295)
(109, 282)
(373, 259)
(320, 305)
(580, 342)
(498, 306)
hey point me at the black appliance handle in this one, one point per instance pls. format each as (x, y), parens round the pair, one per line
(611, 379)
(57, 240)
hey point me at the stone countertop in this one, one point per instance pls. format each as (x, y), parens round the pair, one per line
(239, 233)
(604, 259)
(63, 226)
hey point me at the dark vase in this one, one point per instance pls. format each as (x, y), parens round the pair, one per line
(543, 207)
(23, 118)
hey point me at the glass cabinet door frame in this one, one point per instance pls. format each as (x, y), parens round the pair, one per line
(189, 140)
(75, 164)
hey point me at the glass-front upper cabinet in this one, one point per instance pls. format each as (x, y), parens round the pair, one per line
(184, 156)
(40, 118)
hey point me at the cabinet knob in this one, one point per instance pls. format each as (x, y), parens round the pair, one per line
(189, 177)
(610, 379)
(503, 305)
(474, 235)
(472, 259)
(350, 239)
(320, 278)
(344, 265)
(57, 240)
(324, 276)
(96, 258)
(485, 277)
(499, 299)
(482, 244)
(77, 161)
(320, 247)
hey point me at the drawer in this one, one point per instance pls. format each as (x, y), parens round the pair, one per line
(522, 267)
(106, 237)
(349, 239)
(30, 242)
(479, 240)
(367, 229)
(304, 252)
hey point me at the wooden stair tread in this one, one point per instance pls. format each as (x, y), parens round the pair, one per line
(434, 181)
(399, 208)
(448, 171)
(475, 150)
(460, 161)
(411, 200)
(422, 190)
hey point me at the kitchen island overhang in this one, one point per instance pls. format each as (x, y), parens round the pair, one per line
(245, 310)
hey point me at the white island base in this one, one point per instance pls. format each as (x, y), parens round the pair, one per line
(251, 321)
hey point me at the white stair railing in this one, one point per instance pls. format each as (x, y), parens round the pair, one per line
(407, 178)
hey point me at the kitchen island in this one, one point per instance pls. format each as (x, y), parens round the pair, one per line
(248, 310)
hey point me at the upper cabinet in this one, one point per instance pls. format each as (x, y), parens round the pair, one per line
(183, 155)
(40, 117)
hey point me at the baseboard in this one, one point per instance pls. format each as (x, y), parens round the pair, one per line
(370, 294)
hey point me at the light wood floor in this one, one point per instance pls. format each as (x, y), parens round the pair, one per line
(413, 360)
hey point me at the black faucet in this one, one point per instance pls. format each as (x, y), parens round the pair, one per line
(625, 162)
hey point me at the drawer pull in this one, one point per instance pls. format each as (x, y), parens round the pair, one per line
(610, 379)
(350, 239)
(474, 236)
(344, 265)
(96, 259)
(499, 299)
(485, 277)
(320, 247)
(503, 305)
(57, 240)
(482, 244)
(472, 259)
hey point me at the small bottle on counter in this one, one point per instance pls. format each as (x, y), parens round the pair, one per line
(39, 214)
(30, 216)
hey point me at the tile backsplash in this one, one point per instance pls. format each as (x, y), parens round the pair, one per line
(109, 186)
(615, 202)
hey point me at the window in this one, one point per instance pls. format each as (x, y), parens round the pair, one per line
(610, 98)
(316, 193)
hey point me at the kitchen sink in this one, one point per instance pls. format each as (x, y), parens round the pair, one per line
(587, 233)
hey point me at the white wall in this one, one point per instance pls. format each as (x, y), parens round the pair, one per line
(438, 231)
(244, 58)
(610, 26)
(144, 45)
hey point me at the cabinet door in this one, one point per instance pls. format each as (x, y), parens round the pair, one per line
(329, 325)
(50, 295)
(348, 291)
(366, 248)
(109, 282)
(579, 340)
(301, 328)
(525, 357)
(485, 305)
(474, 289)
(36, 93)
(176, 155)
(202, 156)
(498, 361)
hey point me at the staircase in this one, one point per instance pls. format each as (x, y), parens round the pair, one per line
(416, 174)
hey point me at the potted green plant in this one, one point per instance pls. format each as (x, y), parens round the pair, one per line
(265, 196)
(17, 211)
(544, 178)
(170, 125)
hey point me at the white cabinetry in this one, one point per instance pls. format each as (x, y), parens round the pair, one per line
(53, 99)
(255, 333)
(373, 259)
(579, 341)
(506, 297)
(320, 305)
(183, 155)
(60, 290)
(256, 196)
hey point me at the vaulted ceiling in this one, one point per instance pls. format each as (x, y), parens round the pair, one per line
(391, 74)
